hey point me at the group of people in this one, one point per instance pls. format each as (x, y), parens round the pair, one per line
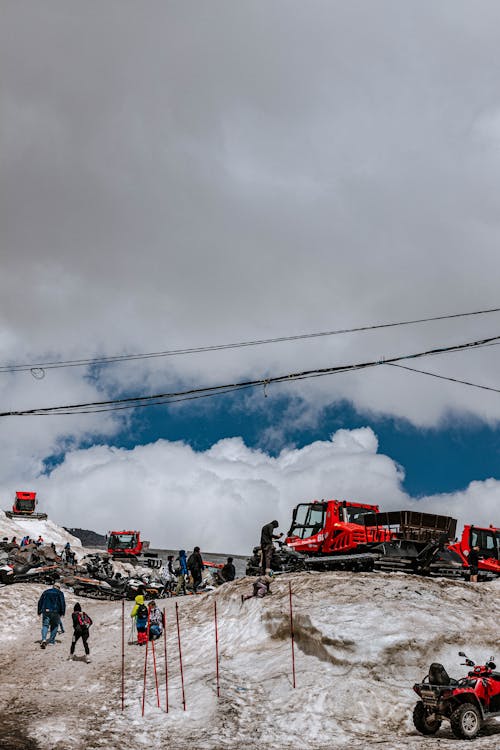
(25, 541)
(149, 620)
(183, 571)
(51, 607)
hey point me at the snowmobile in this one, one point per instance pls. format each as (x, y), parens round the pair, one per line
(284, 560)
(6, 574)
(94, 588)
(97, 566)
(149, 589)
(466, 703)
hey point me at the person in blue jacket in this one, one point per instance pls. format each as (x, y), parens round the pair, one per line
(51, 606)
(183, 572)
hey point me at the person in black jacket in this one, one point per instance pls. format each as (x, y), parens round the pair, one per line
(51, 606)
(266, 545)
(228, 572)
(81, 624)
(195, 565)
(474, 563)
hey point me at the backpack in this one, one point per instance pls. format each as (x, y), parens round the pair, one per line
(84, 620)
(142, 612)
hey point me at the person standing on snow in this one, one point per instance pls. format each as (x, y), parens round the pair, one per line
(51, 606)
(140, 612)
(168, 576)
(474, 563)
(81, 625)
(266, 545)
(183, 572)
(195, 565)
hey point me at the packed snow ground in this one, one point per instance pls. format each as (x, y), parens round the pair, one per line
(361, 642)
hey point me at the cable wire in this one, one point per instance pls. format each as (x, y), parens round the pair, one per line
(37, 368)
(445, 377)
(159, 398)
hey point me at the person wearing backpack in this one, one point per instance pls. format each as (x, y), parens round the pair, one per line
(140, 612)
(81, 625)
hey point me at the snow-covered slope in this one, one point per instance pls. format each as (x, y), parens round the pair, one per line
(361, 642)
(50, 531)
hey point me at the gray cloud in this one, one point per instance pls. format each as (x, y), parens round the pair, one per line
(178, 174)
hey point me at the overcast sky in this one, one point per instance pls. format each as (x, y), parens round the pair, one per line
(178, 174)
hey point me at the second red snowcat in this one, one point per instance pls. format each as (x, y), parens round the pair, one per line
(127, 545)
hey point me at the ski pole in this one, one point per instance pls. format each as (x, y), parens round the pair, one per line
(216, 649)
(123, 654)
(180, 654)
(291, 631)
(166, 662)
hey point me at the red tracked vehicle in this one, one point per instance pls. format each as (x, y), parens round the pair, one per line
(466, 703)
(127, 545)
(488, 541)
(24, 507)
(124, 544)
(334, 533)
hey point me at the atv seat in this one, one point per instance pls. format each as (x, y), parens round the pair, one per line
(439, 676)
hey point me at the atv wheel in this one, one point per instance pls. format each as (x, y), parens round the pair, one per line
(422, 722)
(466, 721)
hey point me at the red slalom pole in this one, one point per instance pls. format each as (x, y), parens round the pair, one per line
(291, 631)
(166, 663)
(156, 673)
(180, 654)
(145, 668)
(216, 649)
(123, 654)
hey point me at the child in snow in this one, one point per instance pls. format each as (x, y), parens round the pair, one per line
(155, 621)
(140, 612)
(81, 625)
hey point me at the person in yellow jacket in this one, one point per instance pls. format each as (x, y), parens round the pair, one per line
(140, 612)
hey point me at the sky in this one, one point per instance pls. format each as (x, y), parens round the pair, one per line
(183, 175)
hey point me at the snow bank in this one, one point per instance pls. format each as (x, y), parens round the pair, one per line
(361, 642)
(49, 530)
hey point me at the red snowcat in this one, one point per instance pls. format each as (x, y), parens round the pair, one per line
(488, 541)
(333, 534)
(24, 507)
(124, 543)
(128, 545)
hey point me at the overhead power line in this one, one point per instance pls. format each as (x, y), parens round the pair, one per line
(445, 377)
(163, 398)
(37, 367)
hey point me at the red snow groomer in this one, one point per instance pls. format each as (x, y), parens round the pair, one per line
(24, 507)
(335, 534)
(124, 543)
(488, 541)
(128, 546)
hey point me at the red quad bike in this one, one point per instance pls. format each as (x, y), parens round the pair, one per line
(466, 703)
